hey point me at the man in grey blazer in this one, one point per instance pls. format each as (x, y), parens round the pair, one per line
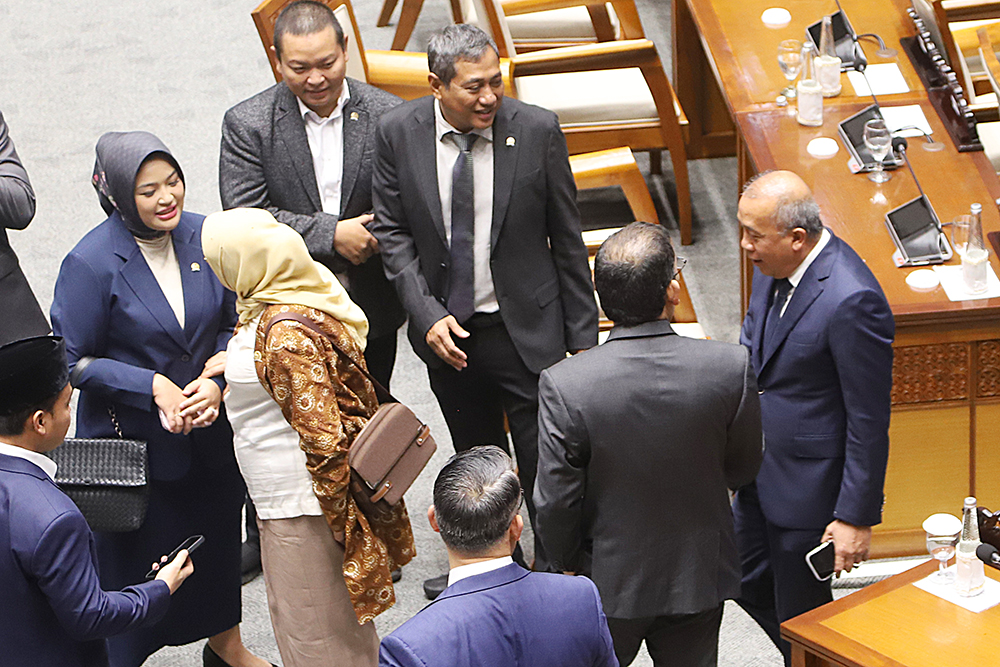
(510, 293)
(23, 317)
(302, 150)
(639, 440)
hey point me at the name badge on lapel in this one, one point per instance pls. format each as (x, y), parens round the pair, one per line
(195, 267)
(511, 141)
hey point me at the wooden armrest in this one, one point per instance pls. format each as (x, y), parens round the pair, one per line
(402, 73)
(587, 57)
(516, 7)
(988, 53)
(970, 10)
(967, 39)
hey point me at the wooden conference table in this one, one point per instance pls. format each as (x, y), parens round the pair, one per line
(894, 623)
(945, 431)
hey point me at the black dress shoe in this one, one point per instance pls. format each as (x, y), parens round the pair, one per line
(434, 586)
(250, 567)
(210, 658)
(397, 574)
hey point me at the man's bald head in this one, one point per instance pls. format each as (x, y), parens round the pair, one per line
(791, 201)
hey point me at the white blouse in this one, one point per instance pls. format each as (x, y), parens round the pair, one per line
(162, 261)
(267, 448)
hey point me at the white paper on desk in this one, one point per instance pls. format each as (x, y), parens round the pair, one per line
(906, 116)
(954, 285)
(989, 598)
(886, 79)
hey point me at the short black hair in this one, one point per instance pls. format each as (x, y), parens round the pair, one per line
(632, 270)
(13, 424)
(476, 496)
(305, 17)
(454, 43)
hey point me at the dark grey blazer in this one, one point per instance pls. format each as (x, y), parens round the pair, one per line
(638, 441)
(23, 317)
(265, 162)
(539, 263)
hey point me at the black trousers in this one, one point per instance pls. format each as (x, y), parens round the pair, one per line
(777, 584)
(685, 640)
(475, 399)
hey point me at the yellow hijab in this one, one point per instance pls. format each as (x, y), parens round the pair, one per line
(266, 262)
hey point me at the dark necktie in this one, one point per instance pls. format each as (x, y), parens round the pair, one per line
(461, 288)
(781, 289)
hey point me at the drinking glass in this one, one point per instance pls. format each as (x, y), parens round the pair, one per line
(943, 532)
(790, 60)
(878, 141)
(960, 234)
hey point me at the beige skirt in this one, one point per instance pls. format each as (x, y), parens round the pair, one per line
(311, 613)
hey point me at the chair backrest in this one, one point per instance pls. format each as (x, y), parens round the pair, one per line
(488, 15)
(987, 51)
(268, 11)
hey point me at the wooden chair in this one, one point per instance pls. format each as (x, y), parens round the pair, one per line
(401, 73)
(989, 133)
(535, 24)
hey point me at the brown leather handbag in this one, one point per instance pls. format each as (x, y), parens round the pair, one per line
(392, 448)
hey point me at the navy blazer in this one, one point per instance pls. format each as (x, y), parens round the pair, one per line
(54, 612)
(108, 305)
(505, 618)
(825, 380)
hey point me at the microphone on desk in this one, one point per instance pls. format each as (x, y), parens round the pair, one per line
(988, 554)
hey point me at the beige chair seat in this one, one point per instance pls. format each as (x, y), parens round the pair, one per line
(570, 24)
(575, 98)
(989, 136)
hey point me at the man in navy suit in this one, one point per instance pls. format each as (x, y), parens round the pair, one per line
(494, 612)
(48, 568)
(820, 332)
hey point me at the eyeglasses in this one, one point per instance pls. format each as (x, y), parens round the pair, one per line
(679, 263)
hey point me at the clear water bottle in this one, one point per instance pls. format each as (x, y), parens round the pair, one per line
(828, 63)
(970, 577)
(808, 91)
(976, 258)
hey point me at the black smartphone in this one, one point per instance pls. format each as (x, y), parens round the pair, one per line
(190, 544)
(820, 561)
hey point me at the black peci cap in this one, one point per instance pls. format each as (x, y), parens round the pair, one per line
(32, 371)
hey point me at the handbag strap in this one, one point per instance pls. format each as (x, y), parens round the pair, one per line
(381, 393)
(74, 380)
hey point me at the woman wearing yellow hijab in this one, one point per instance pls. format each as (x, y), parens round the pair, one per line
(296, 405)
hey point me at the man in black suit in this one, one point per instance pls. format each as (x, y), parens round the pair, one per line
(22, 316)
(302, 150)
(639, 440)
(494, 279)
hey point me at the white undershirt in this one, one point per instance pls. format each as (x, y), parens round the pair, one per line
(472, 569)
(162, 261)
(47, 465)
(267, 447)
(326, 143)
(485, 297)
(796, 276)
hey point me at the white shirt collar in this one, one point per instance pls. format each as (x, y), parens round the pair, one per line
(47, 465)
(796, 276)
(442, 127)
(309, 114)
(472, 569)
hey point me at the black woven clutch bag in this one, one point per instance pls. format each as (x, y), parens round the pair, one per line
(106, 478)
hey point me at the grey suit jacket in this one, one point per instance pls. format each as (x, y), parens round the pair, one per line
(23, 317)
(265, 162)
(539, 263)
(638, 441)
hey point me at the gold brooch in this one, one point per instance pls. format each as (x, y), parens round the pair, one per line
(354, 115)
(195, 266)
(510, 141)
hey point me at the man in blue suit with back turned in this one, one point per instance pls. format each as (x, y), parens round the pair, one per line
(494, 612)
(820, 333)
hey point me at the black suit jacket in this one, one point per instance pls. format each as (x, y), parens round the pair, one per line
(22, 316)
(265, 162)
(539, 263)
(638, 441)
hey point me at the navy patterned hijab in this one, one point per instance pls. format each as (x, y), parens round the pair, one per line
(120, 155)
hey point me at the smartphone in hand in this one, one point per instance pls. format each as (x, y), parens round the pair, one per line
(820, 561)
(190, 544)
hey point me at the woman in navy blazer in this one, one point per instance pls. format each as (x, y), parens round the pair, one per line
(138, 337)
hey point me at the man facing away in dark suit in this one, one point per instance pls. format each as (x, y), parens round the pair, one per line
(54, 611)
(302, 150)
(639, 441)
(22, 315)
(820, 332)
(494, 612)
(475, 213)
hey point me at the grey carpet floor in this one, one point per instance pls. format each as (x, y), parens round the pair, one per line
(71, 71)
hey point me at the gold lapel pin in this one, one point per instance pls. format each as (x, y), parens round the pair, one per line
(195, 266)
(354, 115)
(511, 141)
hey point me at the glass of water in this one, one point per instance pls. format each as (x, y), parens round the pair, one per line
(943, 532)
(878, 141)
(790, 60)
(960, 234)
